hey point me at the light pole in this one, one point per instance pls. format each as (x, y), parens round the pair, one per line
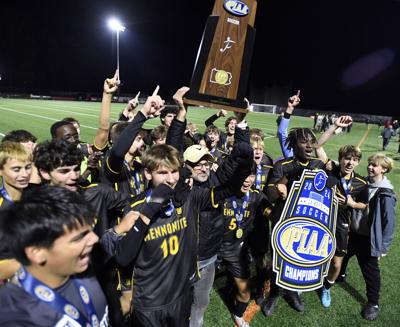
(116, 26)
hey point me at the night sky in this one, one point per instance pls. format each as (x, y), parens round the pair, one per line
(343, 55)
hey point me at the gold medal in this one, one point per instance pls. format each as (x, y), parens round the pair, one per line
(239, 233)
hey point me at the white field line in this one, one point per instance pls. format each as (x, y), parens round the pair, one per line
(60, 110)
(37, 116)
(49, 104)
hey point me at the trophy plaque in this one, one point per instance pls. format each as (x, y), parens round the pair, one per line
(222, 65)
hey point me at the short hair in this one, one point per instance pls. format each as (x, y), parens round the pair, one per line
(169, 109)
(256, 132)
(50, 155)
(256, 142)
(229, 119)
(192, 127)
(13, 150)
(382, 160)
(19, 136)
(71, 120)
(350, 150)
(57, 125)
(297, 134)
(161, 155)
(42, 216)
(116, 129)
(212, 129)
(159, 132)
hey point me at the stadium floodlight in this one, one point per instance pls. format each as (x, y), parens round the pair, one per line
(115, 25)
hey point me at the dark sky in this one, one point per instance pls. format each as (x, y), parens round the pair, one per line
(343, 55)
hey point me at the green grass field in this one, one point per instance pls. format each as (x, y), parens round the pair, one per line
(347, 299)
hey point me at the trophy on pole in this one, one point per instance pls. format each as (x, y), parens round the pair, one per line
(222, 66)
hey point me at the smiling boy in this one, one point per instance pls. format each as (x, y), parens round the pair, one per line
(49, 232)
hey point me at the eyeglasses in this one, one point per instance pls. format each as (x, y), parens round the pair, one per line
(202, 165)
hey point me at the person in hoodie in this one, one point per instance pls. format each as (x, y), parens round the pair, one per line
(372, 230)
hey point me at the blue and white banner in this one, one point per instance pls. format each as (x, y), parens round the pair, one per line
(303, 240)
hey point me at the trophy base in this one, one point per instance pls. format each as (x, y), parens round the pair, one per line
(216, 102)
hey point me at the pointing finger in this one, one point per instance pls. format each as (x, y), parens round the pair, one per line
(155, 92)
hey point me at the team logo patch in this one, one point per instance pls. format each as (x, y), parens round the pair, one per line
(71, 311)
(44, 293)
(237, 8)
(304, 238)
(84, 295)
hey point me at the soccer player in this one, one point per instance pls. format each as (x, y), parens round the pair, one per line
(352, 193)
(163, 242)
(302, 142)
(58, 163)
(49, 232)
(15, 171)
(239, 212)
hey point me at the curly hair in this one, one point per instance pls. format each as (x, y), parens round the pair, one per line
(50, 155)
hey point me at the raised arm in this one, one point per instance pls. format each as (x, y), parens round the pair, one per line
(340, 122)
(109, 87)
(210, 121)
(293, 102)
(152, 108)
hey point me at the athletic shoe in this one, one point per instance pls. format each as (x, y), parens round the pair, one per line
(326, 297)
(269, 305)
(370, 312)
(240, 322)
(293, 299)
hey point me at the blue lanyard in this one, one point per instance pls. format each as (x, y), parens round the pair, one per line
(346, 185)
(258, 177)
(47, 295)
(167, 210)
(5, 195)
(239, 212)
(134, 177)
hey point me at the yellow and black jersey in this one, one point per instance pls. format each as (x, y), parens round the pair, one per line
(263, 170)
(166, 262)
(292, 169)
(239, 214)
(130, 179)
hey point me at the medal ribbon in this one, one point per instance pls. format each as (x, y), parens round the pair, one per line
(5, 195)
(258, 177)
(346, 185)
(239, 212)
(47, 295)
(134, 177)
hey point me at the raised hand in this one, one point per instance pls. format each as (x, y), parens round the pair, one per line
(154, 104)
(179, 94)
(294, 100)
(343, 121)
(111, 84)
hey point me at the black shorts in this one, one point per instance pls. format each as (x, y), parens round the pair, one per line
(235, 257)
(176, 314)
(342, 237)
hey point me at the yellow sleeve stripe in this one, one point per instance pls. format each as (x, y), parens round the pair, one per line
(99, 147)
(361, 180)
(215, 205)
(134, 204)
(1, 201)
(286, 162)
(89, 186)
(108, 167)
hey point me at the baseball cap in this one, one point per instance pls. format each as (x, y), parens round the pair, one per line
(195, 153)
